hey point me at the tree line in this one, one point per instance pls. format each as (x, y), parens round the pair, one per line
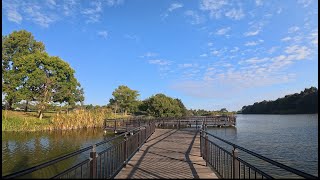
(305, 102)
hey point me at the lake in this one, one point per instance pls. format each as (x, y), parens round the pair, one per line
(289, 139)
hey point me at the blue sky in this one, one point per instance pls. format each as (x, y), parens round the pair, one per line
(211, 54)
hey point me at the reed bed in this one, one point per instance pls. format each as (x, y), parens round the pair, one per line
(80, 118)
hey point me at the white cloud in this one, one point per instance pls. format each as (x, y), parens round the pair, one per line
(195, 18)
(132, 37)
(187, 65)
(259, 2)
(253, 43)
(93, 14)
(159, 62)
(210, 44)
(279, 10)
(314, 37)
(149, 54)
(252, 33)
(174, 6)
(13, 14)
(39, 17)
(235, 49)
(215, 7)
(235, 14)
(286, 38)
(272, 49)
(114, 2)
(103, 34)
(204, 55)
(305, 3)
(223, 31)
(293, 29)
(296, 52)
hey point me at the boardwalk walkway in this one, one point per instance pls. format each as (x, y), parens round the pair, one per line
(168, 153)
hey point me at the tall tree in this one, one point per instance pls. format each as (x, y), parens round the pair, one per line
(124, 98)
(16, 45)
(49, 79)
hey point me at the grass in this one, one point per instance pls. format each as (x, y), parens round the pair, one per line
(28, 121)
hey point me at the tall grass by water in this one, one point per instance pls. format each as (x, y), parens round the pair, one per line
(80, 118)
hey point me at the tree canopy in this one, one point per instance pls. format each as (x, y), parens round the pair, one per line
(305, 102)
(125, 99)
(161, 105)
(30, 74)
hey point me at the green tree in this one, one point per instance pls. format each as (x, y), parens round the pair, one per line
(14, 46)
(124, 98)
(161, 105)
(49, 79)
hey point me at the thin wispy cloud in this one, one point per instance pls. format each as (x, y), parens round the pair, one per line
(149, 54)
(235, 14)
(252, 33)
(253, 43)
(223, 31)
(160, 62)
(175, 6)
(103, 34)
(194, 18)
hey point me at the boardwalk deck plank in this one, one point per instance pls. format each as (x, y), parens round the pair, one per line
(168, 153)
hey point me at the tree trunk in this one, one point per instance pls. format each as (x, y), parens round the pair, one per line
(26, 108)
(125, 112)
(40, 115)
(9, 104)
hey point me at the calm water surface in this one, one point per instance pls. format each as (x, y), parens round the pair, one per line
(289, 139)
(21, 150)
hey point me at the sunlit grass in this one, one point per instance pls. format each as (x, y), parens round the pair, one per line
(28, 121)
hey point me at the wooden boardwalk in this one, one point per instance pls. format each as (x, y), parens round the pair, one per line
(168, 153)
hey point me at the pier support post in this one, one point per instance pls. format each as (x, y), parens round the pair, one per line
(235, 165)
(93, 163)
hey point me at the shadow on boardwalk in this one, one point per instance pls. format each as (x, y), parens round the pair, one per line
(169, 153)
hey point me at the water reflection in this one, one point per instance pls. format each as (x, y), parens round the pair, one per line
(21, 150)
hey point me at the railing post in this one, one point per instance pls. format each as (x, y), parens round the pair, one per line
(145, 134)
(206, 149)
(115, 125)
(93, 163)
(179, 125)
(201, 143)
(235, 164)
(125, 149)
(139, 139)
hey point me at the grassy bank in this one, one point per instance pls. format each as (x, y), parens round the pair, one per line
(28, 121)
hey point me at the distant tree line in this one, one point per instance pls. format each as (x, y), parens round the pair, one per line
(202, 112)
(305, 102)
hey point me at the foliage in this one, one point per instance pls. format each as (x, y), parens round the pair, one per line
(31, 74)
(161, 105)
(125, 99)
(305, 102)
(14, 46)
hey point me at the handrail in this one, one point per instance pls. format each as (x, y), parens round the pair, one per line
(290, 169)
